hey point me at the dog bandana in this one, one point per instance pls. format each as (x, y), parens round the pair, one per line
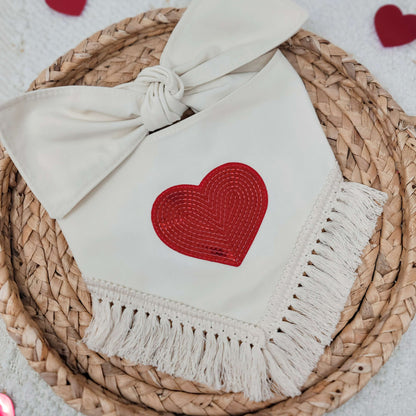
(220, 248)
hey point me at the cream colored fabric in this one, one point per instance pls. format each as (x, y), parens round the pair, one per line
(89, 155)
(257, 125)
(73, 137)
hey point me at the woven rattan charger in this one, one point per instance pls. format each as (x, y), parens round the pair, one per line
(47, 307)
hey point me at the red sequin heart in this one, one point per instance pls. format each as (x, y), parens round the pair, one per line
(216, 220)
(70, 7)
(394, 28)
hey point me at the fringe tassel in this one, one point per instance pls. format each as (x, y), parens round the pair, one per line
(216, 354)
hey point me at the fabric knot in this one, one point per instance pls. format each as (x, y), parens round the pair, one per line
(161, 104)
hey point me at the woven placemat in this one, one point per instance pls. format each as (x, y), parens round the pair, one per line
(47, 307)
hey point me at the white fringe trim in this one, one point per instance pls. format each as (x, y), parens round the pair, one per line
(280, 352)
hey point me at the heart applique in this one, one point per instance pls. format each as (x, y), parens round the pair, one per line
(393, 27)
(6, 405)
(216, 220)
(70, 7)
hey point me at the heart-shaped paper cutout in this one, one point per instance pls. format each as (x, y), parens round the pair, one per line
(216, 220)
(70, 7)
(393, 27)
(6, 405)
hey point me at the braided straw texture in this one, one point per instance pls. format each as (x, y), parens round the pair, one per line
(47, 307)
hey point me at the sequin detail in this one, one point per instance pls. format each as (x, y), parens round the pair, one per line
(217, 220)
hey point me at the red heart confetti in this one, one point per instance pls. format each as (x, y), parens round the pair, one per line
(216, 220)
(393, 27)
(6, 405)
(70, 7)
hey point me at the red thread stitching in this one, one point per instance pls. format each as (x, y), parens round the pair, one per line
(216, 220)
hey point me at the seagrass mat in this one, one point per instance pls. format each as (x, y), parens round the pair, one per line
(47, 307)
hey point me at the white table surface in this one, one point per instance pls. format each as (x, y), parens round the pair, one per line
(32, 36)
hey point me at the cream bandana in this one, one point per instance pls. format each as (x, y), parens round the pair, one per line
(222, 248)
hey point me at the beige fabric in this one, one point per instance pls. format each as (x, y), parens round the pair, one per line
(113, 222)
(89, 155)
(73, 137)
